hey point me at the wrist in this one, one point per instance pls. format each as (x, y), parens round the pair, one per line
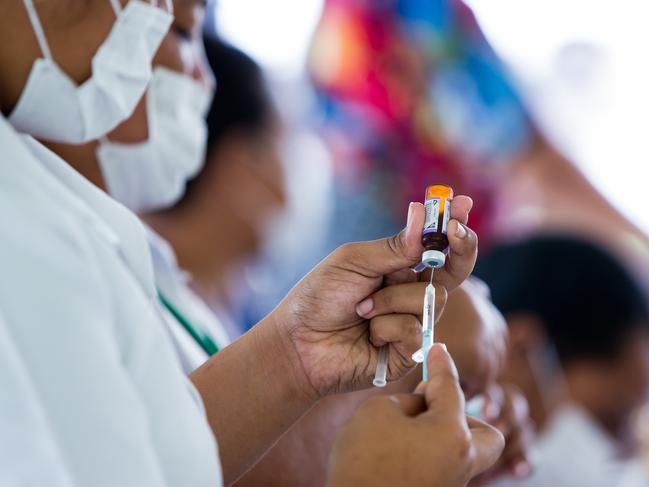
(281, 361)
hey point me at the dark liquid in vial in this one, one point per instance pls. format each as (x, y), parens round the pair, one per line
(435, 240)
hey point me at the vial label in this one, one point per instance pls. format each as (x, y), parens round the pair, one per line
(432, 214)
(447, 214)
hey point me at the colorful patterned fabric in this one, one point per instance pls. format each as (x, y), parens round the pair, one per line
(412, 90)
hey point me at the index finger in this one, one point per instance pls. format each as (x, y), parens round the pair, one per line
(401, 298)
(488, 444)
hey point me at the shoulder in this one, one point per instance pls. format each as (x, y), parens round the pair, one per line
(44, 226)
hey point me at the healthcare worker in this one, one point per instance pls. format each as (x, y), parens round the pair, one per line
(77, 285)
(115, 396)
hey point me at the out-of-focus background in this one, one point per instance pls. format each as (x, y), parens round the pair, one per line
(535, 109)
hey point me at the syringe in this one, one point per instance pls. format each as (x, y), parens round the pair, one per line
(380, 376)
(420, 355)
(428, 324)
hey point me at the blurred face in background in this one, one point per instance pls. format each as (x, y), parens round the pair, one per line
(629, 373)
(248, 179)
(610, 388)
(230, 208)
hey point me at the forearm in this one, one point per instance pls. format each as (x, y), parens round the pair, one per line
(301, 457)
(252, 393)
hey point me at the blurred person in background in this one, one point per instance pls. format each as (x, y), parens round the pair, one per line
(579, 351)
(410, 92)
(228, 209)
(84, 260)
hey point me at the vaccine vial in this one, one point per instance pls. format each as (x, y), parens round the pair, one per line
(438, 212)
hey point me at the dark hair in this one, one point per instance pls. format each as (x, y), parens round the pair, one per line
(586, 299)
(241, 100)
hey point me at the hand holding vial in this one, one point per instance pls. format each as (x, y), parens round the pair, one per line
(335, 320)
(435, 241)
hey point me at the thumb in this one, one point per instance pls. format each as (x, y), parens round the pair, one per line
(377, 258)
(442, 392)
(488, 444)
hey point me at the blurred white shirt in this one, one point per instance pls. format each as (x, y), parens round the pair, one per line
(78, 298)
(636, 475)
(573, 451)
(173, 283)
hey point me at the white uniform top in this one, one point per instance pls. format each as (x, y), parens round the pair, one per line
(636, 475)
(572, 451)
(173, 283)
(78, 298)
(29, 454)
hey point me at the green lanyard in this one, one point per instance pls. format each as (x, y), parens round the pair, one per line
(201, 338)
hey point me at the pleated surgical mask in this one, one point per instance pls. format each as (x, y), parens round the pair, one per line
(53, 107)
(151, 175)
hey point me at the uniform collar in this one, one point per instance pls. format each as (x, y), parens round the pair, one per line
(168, 275)
(117, 225)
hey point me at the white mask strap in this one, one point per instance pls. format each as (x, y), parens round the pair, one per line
(38, 28)
(117, 7)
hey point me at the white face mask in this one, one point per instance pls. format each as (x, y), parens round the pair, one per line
(53, 107)
(151, 175)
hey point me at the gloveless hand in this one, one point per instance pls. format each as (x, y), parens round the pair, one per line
(507, 410)
(415, 439)
(322, 319)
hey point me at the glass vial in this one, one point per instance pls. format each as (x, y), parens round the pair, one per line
(438, 213)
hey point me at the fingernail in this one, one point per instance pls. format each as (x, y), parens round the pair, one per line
(461, 231)
(409, 219)
(364, 307)
(522, 470)
(491, 410)
(443, 346)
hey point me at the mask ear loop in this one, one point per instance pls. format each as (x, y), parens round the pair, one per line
(38, 29)
(117, 7)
